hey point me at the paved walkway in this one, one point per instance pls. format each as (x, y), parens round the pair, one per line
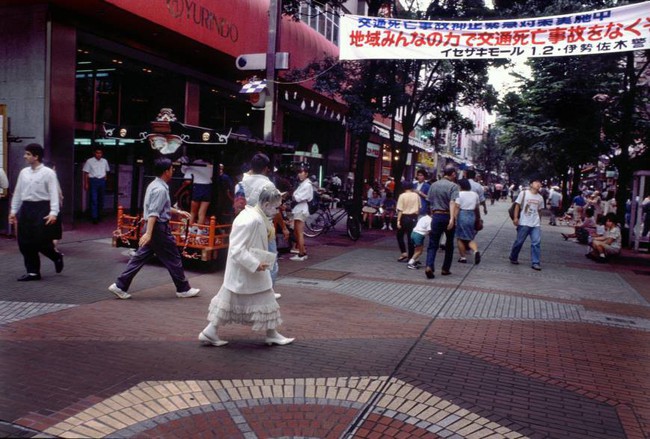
(492, 351)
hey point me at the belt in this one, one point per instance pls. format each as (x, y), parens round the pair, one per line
(441, 212)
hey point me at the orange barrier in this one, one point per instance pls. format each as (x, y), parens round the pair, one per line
(199, 242)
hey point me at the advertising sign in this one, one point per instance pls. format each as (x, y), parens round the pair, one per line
(610, 30)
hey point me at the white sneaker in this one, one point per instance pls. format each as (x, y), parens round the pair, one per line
(385, 227)
(192, 292)
(118, 292)
(390, 227)
(194, 230)
(277, 295)
(298, 258)
(294, 251)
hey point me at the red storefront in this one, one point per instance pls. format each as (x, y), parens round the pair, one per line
(72, 65)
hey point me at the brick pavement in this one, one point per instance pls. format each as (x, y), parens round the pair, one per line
(495, 350)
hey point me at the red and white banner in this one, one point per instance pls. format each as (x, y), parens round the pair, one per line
(617, 29)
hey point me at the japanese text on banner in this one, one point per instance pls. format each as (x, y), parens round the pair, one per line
(617, 29)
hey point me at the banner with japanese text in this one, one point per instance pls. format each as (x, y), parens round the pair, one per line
(610, 30)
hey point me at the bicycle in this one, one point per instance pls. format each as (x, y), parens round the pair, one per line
(326, 219)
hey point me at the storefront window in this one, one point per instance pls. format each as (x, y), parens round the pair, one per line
(107, 97)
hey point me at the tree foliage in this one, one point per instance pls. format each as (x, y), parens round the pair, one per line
(574, 109)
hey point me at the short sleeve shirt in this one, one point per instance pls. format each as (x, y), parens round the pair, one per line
(157, 202)
(615, 235)
(532, 203)
(96, 168)
(441, 193)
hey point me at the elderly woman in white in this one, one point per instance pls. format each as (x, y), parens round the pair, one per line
(247, 296)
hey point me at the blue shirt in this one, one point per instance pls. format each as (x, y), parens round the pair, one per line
(157, 202)
(579, 201)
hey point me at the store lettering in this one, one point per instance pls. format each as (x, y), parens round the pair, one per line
(202, 16)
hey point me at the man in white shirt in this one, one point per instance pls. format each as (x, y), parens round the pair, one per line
(528, 222)
(34, 208)
(95, 170)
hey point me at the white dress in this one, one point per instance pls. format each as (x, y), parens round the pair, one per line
(247, 295)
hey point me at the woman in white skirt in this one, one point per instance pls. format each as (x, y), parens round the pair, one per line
(247, 296)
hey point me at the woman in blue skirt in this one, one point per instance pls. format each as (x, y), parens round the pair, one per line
(467, 212)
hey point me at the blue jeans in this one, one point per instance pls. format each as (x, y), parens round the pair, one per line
(97, 188)
(439, 223)
(535, 243)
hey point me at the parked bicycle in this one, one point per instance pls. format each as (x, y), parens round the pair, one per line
(328, 216)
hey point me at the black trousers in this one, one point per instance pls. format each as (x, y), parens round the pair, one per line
(164, 246)
(408, 222)
(32, 236)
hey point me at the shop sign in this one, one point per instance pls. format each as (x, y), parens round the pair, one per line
(216, 24)
(373, 150)
(427, 160)
(616, 29)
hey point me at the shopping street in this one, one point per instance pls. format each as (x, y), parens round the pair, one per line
(491, 351)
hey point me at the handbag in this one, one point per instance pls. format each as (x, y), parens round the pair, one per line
(478, 222)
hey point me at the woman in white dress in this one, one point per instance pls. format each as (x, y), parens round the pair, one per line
(247, 296)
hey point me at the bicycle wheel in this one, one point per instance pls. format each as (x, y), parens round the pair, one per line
(315, 224)
(354, 229)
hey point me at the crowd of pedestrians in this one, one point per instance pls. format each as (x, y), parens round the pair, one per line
(448, 211)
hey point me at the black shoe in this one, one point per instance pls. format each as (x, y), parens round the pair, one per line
(445, 272)
(58, 264)
(513, 262)
(95, 221)
(477, 258)
(429, 273)
(29, 277)
(565, 236)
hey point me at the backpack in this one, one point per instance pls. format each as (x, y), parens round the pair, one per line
(239, 201)
(314, 203)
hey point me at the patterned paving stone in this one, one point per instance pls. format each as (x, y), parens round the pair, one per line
(271, 407)
(465, 304)
(14, 311)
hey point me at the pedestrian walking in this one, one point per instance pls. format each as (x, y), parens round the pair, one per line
(477, 187)
(555, 201)
(34, 210)
(528, 223)
(467, 213)
(252, 184)
(408, 207)
(95, 171)
(246, 295)
(157, 238)
(442, 201)
(422, 189)
(419, 233)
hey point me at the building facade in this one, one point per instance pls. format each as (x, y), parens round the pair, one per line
(71, 66)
